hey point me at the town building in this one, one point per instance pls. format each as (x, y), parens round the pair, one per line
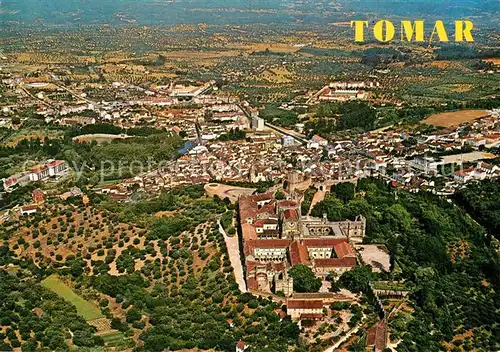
(287, 141)
(241, 346)
(304, 309)
(28, 209)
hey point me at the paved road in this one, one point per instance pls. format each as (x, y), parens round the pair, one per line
(233, 249)
(297, 136)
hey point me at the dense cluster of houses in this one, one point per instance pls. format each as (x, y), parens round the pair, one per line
(411, 161)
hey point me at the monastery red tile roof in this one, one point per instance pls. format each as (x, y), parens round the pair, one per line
(269, 243)
(311, 316)
(268, 208)
(252, 283)
(298, 254)
(262, 222)
(376, 336)
(343, 249)
(248, 232)
(39, 169)
(275, 266)
(303, 304)
(248, 209)
(347, 262)
(290, 214)
(249, 246)
(262, 197)
(323, 242)
(287, 203)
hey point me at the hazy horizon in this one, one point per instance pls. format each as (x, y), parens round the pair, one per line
(173, 12)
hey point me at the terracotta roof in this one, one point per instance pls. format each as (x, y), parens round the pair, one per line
(118, 196)
(10, 181)
(38, 191)
(29, 207)
(39, 169)
(268, 208)
(486, 166)
(311, 316)
(287, 203)
(275, 266)
(290, 214)
(323, 242)
(298, 254)
(249, 246)
(269, 243)
(248, 208)
(55, 163)
(464, 172)
(319, 295)
(317, 138)
(250, 264)
(303, 304)
(347, 262)
(343, 249)
(376, 336)
(241, 345)
(262, 222)
(248, 232)
(252, 283)
(262, 197)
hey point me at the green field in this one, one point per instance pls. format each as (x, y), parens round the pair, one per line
(84, 308)
(383, 285)
(114, 339)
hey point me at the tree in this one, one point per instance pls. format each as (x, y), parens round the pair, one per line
(133, 315)
(290, 330)
(344, 191)
(279, 195)
(357, 279)
(304, 279)
(331, 206)
(398, 218)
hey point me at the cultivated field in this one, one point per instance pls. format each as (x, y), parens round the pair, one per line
(454, 118)
(278, 75)
(84, 308)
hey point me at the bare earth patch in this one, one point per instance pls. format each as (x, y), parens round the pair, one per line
(454, 118)
(231, 192)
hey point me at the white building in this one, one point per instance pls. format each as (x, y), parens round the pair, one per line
(28, 209)
(298, 309)
(258, 123)
(287, 141)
